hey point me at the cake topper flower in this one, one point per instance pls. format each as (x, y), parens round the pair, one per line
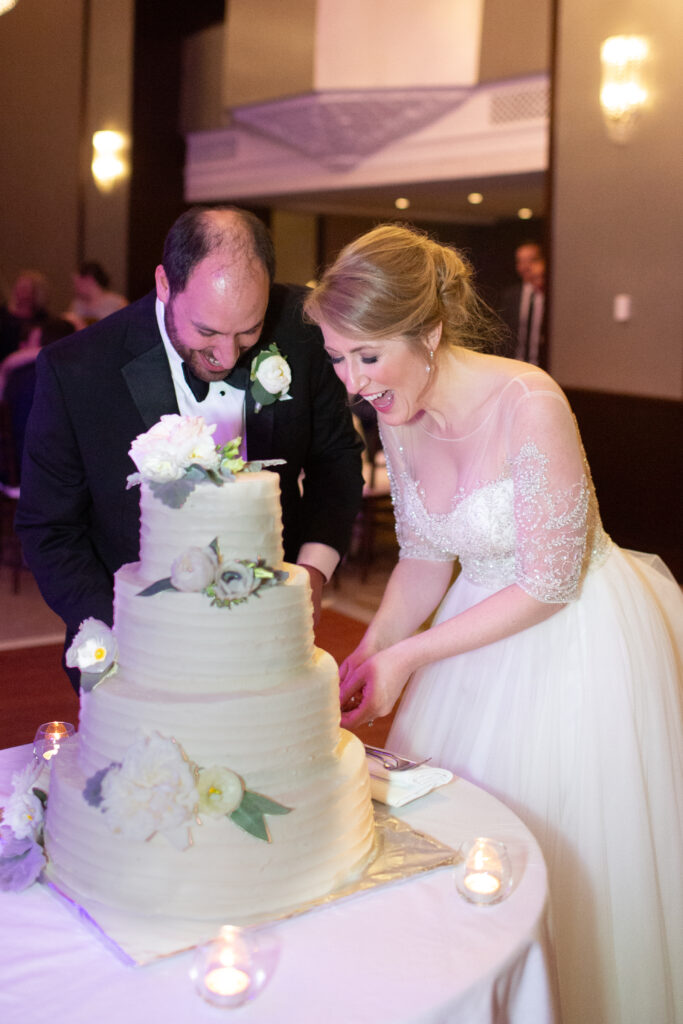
(94, 651)
(270, 376)
(179, 452)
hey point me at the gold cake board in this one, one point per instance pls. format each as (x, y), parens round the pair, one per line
(400, 852)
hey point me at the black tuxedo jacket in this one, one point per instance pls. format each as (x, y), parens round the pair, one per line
(97, 390)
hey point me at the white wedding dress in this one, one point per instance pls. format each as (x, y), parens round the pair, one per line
(574, 723)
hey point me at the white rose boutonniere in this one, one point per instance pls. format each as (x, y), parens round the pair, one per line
(270, 376)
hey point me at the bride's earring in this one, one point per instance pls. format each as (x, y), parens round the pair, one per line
(430, 365)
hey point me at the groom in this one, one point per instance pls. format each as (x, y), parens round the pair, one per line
(187, 348)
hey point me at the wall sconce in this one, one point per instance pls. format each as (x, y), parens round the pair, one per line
(7, 5)
(109, 164)
(622, 92)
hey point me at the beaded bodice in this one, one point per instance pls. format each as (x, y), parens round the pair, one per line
(524, 513)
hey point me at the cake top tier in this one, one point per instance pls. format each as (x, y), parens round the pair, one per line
(194, 492)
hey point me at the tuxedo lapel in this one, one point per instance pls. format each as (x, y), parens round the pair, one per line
(146, 373)
(149, 381)
(260, 426)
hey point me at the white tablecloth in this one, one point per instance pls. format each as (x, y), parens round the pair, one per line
(412, 952)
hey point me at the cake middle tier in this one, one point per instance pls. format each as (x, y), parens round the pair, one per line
(255, 733)
(180, 643)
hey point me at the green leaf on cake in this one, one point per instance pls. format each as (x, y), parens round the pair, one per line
(174, 493)
(157, 588)
(250, 814)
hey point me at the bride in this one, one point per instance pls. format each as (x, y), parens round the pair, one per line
(551, 673)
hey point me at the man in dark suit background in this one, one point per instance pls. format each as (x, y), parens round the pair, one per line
(216, 307)
(516, 307)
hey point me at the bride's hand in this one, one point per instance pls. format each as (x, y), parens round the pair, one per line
(370, 690)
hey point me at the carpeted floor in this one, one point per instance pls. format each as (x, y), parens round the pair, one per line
(35, 688)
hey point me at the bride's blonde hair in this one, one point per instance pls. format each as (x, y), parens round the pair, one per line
(396, 281)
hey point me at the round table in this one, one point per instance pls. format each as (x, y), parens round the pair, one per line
(410, 952)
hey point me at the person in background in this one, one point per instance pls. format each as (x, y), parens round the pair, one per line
(552, 673)
(93, 300)
(515, 302)
(26, 308)
(18, 379)
(188, 347)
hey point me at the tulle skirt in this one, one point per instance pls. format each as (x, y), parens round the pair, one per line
(576, 725)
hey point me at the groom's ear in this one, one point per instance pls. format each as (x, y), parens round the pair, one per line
(163, 287)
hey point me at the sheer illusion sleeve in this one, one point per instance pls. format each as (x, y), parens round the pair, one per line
(413, 539)
(552, 497)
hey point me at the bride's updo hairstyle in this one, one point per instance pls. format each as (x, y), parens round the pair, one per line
(395, 281)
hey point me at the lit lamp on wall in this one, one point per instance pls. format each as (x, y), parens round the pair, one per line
(109, 163)
(622, 92)
(6, 5)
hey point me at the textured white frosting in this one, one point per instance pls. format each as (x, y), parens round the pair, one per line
(241, 687)
(226, 874)
(244, 514)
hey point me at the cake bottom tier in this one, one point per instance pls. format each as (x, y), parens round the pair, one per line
(226, 874)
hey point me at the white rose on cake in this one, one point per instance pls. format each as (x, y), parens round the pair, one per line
(235, 581)
(194, 570)
(164, 453)
(152, 790)
(220, 791)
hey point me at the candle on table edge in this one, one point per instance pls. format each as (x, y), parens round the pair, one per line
(227, 981)
(482, 883)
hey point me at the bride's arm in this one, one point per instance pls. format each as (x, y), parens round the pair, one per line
(413, 591)
(383, 674)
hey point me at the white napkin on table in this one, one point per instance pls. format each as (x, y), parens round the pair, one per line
(398, 788)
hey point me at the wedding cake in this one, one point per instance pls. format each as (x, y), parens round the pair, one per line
(209, 778)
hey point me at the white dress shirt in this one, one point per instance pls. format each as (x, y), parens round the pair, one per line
(224, 406)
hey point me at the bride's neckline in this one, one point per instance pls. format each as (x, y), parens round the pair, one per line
(488, 406)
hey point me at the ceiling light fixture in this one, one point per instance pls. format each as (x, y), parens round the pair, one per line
(525, 213)
(402, 203)
(475, 198)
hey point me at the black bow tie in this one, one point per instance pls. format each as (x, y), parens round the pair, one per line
(237, 378)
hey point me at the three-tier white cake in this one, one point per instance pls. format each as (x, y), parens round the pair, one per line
(210, 778)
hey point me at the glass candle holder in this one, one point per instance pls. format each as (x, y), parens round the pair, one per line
(233, 968)
(48, 738)
(484, 873)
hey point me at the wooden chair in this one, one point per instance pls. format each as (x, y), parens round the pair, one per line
(10, 548)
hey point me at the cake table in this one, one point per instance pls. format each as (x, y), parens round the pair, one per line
(412, 952)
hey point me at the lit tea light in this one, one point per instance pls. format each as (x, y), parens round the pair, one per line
(227, 981)
(484, 874)
(233, 968)
(482, 883)
(49, 737)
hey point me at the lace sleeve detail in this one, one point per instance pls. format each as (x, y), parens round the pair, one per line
(551, 529)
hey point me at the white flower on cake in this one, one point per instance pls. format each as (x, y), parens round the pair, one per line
(157, 789)
(220, 791)
(173, 444)
(271, 377)
(23, 811)
(234, 581)
(94, 651)
(21, 831)
(179, 452)
(152, 790)
(194, 570)
(229, 582)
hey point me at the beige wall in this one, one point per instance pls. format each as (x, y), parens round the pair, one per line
(40, 57)
(50, 212)
(515, 39)
(617, 217)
